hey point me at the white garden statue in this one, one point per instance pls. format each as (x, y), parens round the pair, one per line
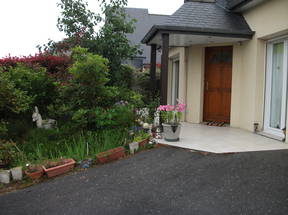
(46, 124)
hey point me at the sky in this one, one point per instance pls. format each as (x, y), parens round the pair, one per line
(28, 23)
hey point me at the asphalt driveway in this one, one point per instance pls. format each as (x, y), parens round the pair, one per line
(164, 181)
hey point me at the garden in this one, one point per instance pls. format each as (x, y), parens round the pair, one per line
(55, 110)
(74, 103)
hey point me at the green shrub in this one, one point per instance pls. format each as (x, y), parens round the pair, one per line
(35, 82)
(3, 129)
(10, 155)
(89, 77)
(118, 116)
(21, 88)
(124, 76)
(12, 99)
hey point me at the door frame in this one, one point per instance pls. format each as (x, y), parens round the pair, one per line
(268, 88)
(204, 79)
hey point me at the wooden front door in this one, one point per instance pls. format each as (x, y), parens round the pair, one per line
(218, 81)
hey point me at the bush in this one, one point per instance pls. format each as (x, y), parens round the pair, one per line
(22, 88)
(124, 76)
(89, 77)
(13, 102)
(10, 155)
(119, 116)
(35, 82)
(142, 84)
(54, 65)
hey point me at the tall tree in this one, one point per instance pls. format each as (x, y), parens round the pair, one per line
(80, 24)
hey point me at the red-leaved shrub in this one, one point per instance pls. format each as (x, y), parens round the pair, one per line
(56, 66)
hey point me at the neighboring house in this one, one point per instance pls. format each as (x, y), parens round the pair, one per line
(228, 61)
(144, 21)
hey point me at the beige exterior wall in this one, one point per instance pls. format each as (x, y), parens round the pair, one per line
(268, 20)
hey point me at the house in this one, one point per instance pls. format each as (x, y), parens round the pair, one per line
(144, 21)
(228, 61)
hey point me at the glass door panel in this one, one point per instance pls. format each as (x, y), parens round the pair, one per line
(277, 86)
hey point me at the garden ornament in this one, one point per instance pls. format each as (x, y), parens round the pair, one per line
(156, 118)
(40, 123)
(156, 124)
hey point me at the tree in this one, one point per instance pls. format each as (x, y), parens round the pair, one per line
(79, 24)
(76, 19)
(112, 42)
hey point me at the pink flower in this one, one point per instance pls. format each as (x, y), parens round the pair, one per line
(162, 108)
(181, 107)
(166, 108)
(170, 107)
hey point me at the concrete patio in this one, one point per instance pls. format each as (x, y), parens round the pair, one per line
(219, 140)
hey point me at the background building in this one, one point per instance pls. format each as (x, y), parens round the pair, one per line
(144, 23)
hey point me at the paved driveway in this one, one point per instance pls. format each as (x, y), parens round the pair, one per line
(165, 181)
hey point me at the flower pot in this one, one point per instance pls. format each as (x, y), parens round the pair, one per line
(67, 166)
(17, 173)
(133, 147)
(143, 143)
(111, 155)
(36, 174)
(5, 176)
(171, 132)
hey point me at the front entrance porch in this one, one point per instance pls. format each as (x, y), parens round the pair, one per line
(219, 140)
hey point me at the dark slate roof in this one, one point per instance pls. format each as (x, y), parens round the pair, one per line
(204, 18)
(235, 3)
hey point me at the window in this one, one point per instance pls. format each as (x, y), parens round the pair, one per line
(175, 82)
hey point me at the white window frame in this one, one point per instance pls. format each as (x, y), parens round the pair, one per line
(267, 129)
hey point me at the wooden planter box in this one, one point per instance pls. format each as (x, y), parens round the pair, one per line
(143, 143)
(111, 155)
(35, 175)
(61, 169)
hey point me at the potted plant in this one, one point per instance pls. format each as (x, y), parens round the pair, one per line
(111, 155)
(53, 169)
(34, 171)
(171, 116)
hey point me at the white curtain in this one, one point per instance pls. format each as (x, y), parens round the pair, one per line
(277, 85)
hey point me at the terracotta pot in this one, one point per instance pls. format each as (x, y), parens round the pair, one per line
(61, 169)
(111, 155)
(143, 143)
(35, 175)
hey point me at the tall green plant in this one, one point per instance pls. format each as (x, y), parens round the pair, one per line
(89, 77)
(80, 24)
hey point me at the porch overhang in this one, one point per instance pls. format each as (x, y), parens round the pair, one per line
(181, 36)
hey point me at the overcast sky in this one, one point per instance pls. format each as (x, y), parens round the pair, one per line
(28, 23)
